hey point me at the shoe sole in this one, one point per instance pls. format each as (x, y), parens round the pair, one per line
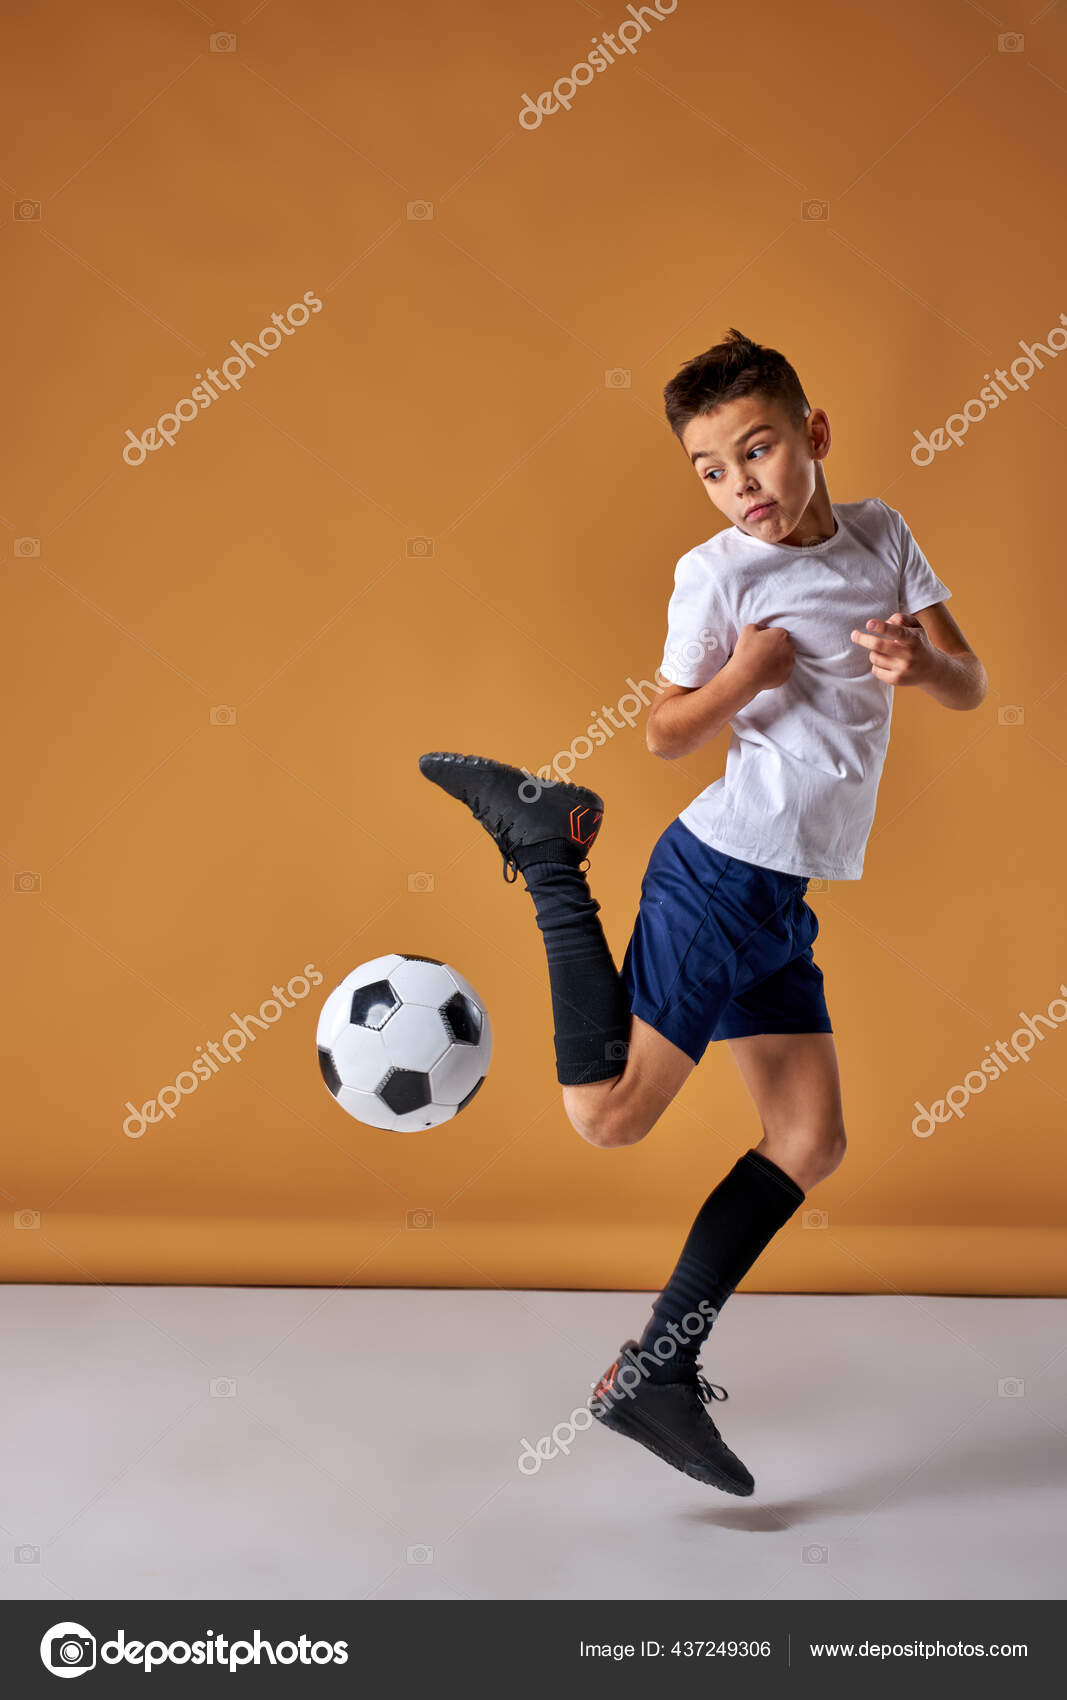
(581, 793)
(636, 1428)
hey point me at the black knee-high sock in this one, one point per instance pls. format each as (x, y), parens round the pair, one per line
(734, 1224)
(590, 1005)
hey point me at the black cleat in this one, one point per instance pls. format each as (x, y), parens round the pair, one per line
(500, 798)
(670, 1418)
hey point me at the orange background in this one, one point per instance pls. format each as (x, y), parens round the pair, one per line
(163, 870)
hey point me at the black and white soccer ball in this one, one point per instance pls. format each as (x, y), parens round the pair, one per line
(404, 1042)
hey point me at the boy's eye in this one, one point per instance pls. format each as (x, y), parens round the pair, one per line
(755, 449)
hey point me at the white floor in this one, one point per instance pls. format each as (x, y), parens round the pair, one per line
(304, 1443)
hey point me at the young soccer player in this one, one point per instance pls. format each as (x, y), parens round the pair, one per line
(794, 624)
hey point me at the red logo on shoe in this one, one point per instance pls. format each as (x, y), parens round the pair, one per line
(577, 812)
(604, 1386)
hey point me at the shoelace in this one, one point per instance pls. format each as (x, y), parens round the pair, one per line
(710, 1389)
(482, 814)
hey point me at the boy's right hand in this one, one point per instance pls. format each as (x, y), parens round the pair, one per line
(763, 656)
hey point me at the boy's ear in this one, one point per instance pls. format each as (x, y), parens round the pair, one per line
(818, 433)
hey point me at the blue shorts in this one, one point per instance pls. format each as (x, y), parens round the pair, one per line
(721, 948)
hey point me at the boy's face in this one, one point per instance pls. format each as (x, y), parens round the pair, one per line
(756, 465)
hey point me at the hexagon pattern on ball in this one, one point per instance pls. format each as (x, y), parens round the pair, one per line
(404, 1043)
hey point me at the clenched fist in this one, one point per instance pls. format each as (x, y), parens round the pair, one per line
(764, 655)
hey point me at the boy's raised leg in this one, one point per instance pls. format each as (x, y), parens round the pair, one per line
(621, 1111)
(618, 1074)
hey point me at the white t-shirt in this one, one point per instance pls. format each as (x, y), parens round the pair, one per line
(805, 758)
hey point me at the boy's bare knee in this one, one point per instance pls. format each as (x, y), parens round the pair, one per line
(827, 1153)
(808, 1156)
(611, 1135)
(606, 1125)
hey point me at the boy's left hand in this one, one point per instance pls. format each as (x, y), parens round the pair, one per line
(901, 652)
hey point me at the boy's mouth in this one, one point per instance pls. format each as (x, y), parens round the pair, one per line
(760, 509)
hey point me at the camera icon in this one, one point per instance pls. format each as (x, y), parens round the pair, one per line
(26, 881)
(27, 547)
(26, 210)
(1011, 1388)
(27, 1218)
(617, 378)
(818, 885)
(1010, 43)
(417, 548)
(72, 1648)
(1010, 715)
(815, 1555)
(815, 209)
(616, 1050)
(419, 1219)
(223, 42)
(27, 1555)
(223, 715)
(420, 209)
(420, 882)
(418, 1555)
(815, 1219)
(223, 1388)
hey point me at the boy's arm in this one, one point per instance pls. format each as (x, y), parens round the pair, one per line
(927, 649)
(688, 716)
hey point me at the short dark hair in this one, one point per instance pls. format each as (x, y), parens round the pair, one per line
(734, 367)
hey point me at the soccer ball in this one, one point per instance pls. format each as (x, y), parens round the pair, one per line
(404, 1043)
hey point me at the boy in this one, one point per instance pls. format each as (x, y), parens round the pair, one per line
(794, 625)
